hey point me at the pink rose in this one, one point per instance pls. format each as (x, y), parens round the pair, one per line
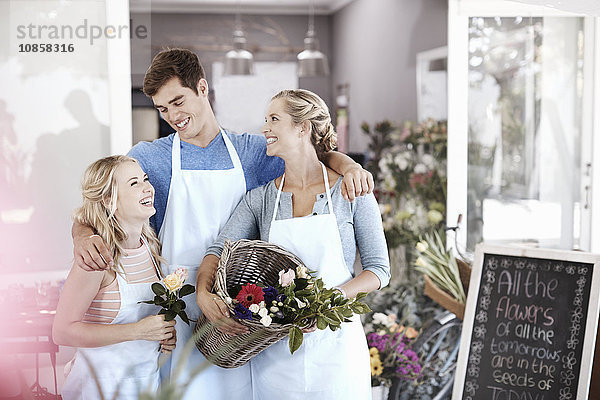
(286, 278)
(182, 272)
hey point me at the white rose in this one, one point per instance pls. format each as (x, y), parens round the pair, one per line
(274, 309)
(428, 160)
(254, 308)
(401, 162)
(302, 271)
(420, 168)
(266, 320)
(263, 312)
(379, 318)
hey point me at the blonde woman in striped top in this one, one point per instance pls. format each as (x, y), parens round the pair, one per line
(99, 312)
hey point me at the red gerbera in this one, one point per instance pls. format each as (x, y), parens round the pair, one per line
(250, 294)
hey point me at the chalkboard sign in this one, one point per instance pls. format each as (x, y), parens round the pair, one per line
(530, 325)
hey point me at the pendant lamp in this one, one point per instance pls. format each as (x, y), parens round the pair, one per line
(239, 61)
(311, 61)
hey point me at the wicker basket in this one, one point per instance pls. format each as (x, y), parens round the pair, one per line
(244, 261)
(444, 299)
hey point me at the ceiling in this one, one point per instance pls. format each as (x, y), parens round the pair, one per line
(231, 6)
(323, 7)
(586, 7)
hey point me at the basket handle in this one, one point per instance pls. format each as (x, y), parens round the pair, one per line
(220, 285)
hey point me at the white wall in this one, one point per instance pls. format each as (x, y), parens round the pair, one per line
(57, 116)
(375, 43)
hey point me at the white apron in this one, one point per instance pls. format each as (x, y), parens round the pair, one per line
(200, 203)
(130, 366)
(329, 365)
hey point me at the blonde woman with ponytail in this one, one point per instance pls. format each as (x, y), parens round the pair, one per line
(118, 339)
(305, 212)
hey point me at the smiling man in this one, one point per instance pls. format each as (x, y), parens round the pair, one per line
(200, 173)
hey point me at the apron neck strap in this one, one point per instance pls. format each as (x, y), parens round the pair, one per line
(327, 190)
(156, 268)
(325, 178)
(176, 154)
(277, 198)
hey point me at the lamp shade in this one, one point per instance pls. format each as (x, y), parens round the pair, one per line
(239, 61)
(311, 61)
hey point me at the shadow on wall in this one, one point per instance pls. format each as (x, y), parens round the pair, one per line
(37, 236)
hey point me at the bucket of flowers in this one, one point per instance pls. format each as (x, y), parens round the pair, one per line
(269, 290)
(390, 350)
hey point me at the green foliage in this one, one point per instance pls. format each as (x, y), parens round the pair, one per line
(439, 265)
(171, 303)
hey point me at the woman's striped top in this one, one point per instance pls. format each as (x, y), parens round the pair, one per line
(139, 268)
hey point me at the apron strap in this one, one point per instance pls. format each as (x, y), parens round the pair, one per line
(156, 268)
(176, 154)
(235, 159)
(277, 199)
(329, 202)
(327, 190)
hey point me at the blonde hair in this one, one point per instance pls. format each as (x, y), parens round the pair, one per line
(99, 190)
(303, 105)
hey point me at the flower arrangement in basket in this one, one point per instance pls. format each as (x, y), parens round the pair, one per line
(446, 277)
(270, 291)
(389, 347)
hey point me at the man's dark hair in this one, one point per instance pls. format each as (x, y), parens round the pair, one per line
(173, 63)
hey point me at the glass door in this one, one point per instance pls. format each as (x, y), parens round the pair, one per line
(522, 148)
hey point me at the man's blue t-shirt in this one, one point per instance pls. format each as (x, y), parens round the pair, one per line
(155, 160)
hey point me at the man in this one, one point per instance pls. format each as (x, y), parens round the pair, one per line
(199, 173)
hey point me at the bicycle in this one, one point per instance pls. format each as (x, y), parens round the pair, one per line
(437, 347)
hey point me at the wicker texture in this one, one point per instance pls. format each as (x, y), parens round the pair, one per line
(244, 261)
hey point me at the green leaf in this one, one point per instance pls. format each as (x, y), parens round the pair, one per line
(162, 311)
(186, 289)
(158, 300)
(158, 288)
(146, 302)
(339, 314)
(178, 306)
(346, 312)
(296, 338)
(330, 318)
(360, 295)
(170, 315)
(360, 308)
(321, 322)
(319, 284)
(301, 283)
(184, 317)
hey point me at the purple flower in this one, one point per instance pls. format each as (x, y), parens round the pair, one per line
(411, 355)
(281, 297)
(270, 293)
(242, 312)
(416, 368)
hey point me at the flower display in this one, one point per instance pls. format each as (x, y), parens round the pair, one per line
(298, 299)
(408, 163)
(389, 348)
(169, 293)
